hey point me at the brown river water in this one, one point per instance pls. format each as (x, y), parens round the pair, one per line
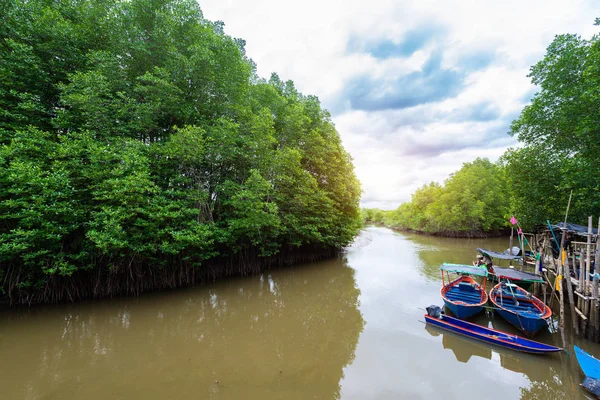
(348, 328)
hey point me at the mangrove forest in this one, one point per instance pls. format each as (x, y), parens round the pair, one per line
(140, 150)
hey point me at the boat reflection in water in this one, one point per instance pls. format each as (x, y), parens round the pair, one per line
(545, 373)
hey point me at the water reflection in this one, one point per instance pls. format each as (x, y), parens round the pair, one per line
(287, 333)
(543, 371)
(433, 251)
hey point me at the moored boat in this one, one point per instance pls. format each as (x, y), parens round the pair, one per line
(590, 366)
(463, 296)
(519, 307)
(489, 335)
(495, 272)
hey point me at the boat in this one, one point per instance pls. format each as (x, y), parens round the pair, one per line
(463, 296)
(495, 273)
(489, 335)
(590, 366)
(519, 307)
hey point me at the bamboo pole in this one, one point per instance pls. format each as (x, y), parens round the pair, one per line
(588, 257)
(512, 229)
(561, 322)
(522, 251)
(538, 263)
(581, 273)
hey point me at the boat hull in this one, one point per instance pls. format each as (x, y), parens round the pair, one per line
(589, 364)
(491, 336)
(462, 312)
(519, 307)
(530, 326)
(464, 297)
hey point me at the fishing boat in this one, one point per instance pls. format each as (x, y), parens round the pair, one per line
(519, 307)
(523, 279)
(590, 366)
(488, 335)
(463, 296)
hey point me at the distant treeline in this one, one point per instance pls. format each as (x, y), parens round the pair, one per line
(140, 150)
(559, 135)
(472, 202)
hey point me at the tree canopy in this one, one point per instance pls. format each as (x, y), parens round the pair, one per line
(560, 135)
(139, 149)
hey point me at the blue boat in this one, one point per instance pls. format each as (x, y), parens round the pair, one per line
(519, 307)
(523, 279)
(590, 366)
(463, 296)
(489, 335)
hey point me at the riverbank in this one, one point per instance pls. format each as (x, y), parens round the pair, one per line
(475, 234)
(137, 278)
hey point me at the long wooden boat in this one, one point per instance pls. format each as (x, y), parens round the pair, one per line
(491, 336)
(519, 307)
(463, 296)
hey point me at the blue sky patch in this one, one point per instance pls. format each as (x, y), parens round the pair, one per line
(409, 43)
(431, 84)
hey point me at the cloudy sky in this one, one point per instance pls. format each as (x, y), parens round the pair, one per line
(415, 87)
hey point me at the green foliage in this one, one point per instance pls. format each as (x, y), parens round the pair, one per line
(473, 200)
(137, 134)
(560, 133)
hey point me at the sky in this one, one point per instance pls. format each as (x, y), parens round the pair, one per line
(415, 88)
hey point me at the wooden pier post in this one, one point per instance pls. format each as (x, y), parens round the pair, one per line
(581, 268)
(593, 327)
(586, 288)
(523, 262)
(567, 281)
(595, 309)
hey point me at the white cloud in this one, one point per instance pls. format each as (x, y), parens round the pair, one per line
(490, 46)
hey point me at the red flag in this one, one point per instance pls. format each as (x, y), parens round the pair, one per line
(513, 220)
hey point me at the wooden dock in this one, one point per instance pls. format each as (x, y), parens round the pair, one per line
(578, 276)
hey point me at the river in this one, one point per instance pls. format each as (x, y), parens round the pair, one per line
(348, 328)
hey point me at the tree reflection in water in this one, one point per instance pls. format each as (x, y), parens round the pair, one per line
(287, 333)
